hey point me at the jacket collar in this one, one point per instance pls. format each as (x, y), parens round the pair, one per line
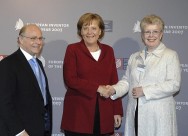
(158, 52)
(84, 48)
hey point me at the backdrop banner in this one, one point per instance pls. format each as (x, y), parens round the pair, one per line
(58, 19)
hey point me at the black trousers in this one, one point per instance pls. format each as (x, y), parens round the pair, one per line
(96, 129)
(47, 122)
(47, 133)
(136, 119)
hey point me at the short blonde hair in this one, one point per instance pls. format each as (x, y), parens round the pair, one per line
(152, 20)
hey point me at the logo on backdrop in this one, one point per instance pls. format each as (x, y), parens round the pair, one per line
(136, 27)
(121, 63)
(44, 26)
(19, 24)
(169, 29)
(108, 25)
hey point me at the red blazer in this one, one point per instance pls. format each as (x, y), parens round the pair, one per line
(83, 75)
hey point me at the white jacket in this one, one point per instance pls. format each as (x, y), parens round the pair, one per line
(160, 80)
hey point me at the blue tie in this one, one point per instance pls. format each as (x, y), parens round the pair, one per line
(40, 77)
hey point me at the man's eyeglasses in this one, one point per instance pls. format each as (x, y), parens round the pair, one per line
(155, 32)
(34, 39)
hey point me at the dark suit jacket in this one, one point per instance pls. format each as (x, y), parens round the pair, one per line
(21, 101)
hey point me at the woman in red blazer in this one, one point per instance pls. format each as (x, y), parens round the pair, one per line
(88, 66)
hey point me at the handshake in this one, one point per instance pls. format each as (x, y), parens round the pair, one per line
(106, 90)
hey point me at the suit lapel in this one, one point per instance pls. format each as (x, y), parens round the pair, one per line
(46, 80)
(27, 68)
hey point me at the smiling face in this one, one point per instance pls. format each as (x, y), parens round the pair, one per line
(91, 32)
(31, 40)
(151, 36)
(152, 27)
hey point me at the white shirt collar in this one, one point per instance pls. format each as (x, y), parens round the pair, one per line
(27, 55)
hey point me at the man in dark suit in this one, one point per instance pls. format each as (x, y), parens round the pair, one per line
(24, 110)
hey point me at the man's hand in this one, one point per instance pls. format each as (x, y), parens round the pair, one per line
(23, 133)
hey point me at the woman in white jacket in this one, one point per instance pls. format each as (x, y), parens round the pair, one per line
(152, 77)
